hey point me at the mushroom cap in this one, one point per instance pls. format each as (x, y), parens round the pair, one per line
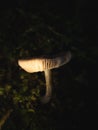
(40, 64)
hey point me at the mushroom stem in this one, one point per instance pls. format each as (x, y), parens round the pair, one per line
(48, 78)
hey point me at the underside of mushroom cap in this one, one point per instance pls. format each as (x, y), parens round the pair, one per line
(44, 63)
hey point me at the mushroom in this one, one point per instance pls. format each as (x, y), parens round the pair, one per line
(45, 64)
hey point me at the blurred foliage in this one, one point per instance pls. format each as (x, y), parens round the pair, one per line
(28, 30)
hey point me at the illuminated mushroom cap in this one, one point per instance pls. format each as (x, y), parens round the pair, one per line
(43, 63)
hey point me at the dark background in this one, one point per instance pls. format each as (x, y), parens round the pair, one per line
(37, 28)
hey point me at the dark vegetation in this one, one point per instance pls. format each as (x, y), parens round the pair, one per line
(40, 28)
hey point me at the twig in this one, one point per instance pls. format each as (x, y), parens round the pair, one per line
(4, 118)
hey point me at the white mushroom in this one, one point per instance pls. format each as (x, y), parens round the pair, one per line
(45, 64)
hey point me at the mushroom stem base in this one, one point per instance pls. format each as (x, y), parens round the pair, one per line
(48, 78)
